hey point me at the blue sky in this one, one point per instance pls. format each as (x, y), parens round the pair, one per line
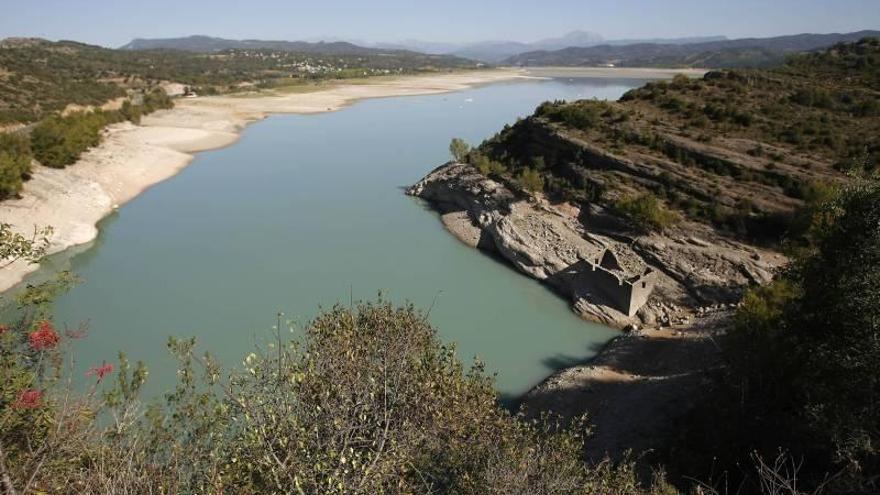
(114, 22)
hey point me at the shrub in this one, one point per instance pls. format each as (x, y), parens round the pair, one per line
(368, 401)
(59, 141)
(583, 114)
(531, 180)
(481, 162)
(15, 164)
(15, 246)
(646, 212)
(835, 325)
(803, 354)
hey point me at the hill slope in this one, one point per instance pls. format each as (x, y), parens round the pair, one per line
(748, 52)
(39, 77)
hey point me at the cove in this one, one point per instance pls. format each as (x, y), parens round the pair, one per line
(307, 211)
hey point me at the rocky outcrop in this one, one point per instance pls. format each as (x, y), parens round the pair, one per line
(599, 269)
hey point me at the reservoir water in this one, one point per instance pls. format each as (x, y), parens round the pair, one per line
(306, 211)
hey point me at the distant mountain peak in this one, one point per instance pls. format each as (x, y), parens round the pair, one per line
(572, 38)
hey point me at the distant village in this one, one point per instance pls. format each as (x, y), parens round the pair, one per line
(299, 64)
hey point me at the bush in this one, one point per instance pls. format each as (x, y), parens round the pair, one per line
(803, 352)
(15, 164)
(531, 180)
(369, 401)
(646, 212)
(59, 141)
(485, 165)
(157, 99)
(834, 327)
(583, 114)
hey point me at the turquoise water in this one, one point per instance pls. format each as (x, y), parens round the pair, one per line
(306, 211)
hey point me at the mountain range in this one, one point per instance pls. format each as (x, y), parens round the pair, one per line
(484, 51)
(497, 51)
(577, 48)
(751, 52)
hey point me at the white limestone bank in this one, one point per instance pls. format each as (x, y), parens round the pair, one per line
(611, 274)
(132, 158)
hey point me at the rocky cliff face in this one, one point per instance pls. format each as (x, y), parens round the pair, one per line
(559, 244)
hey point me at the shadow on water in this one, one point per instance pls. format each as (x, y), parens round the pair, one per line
(555, 364)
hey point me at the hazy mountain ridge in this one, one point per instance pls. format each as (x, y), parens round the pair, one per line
(204, 44)
(491, 51)
(712, 54)
(494, 51)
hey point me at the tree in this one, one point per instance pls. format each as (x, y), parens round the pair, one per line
(834, 327)
(459, 149)
(804, 351)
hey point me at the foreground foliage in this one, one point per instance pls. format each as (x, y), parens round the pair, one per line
(368, 401)
(803, 357)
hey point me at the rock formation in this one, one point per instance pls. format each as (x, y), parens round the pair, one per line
(610, 274)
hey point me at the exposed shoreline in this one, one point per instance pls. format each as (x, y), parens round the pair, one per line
(134, 157)
(611, 72)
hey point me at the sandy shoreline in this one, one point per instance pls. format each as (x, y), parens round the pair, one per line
(134, 157)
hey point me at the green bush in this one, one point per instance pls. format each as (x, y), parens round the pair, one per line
(368, 401)
(157, 99)
(59, 141)
(646, 212)
(531, 180)
(583, 114)
(803, 351)
(835, 324)
(15, 164)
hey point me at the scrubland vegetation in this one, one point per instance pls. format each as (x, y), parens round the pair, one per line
(363, 400)
(39, 78)
(58, 141)
(788, 131)
(801, 363)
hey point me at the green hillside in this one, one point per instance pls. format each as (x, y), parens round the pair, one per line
(738, 148)
(39, 77)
